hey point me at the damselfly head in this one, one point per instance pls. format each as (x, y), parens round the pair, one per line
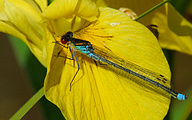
(67, 37)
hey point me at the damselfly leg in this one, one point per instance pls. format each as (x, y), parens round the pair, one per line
(72, 58)
(77, 69)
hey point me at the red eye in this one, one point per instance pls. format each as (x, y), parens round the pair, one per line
(63, 41)
(66, 38)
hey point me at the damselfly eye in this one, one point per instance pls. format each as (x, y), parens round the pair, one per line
(63, 40)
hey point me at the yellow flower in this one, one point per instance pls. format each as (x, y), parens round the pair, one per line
(180, 32)
(175, 32)
(98, 91)
(26, 24)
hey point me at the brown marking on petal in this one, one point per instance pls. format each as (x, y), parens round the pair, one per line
(38, 6)
(102, 36)
(154, 30)
(108, 48)
(129, 12)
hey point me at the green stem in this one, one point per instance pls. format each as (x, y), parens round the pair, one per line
(28, 105)
(150, 10)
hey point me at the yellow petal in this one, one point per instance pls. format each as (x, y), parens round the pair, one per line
(86, 9)
(27, 20)
(61, 25)
(101, 91)
(42, 4)
(68, 8)
(7, 28)
(79, 23)
(2, 12)
(77, 15)
(179, 37)
(19, 15)
(60, 8)
(138, 7)
(34, 4)
(177, 23)
(168, 37)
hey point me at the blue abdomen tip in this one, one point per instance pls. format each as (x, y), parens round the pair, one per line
(181, 96)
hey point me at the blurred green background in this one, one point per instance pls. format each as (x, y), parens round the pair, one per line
(22, 76)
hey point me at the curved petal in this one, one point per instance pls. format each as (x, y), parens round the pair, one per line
(76, 16)
(180, 31)
(168, 37)
(42, 4)
(33, 4)
(101, 91)
(2, 12)
(79, 23)
(138, 7)
(63, 25)
(27, 20)
(18, 15)
(6, 27)
(177, 23)
(60, 8)
(86, 9)
(68, 8)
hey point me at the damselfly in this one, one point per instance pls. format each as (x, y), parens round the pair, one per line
(87, 48)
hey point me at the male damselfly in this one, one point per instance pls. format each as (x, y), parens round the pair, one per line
(85, 47)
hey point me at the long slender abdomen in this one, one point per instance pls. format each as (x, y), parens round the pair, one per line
(147, 79)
